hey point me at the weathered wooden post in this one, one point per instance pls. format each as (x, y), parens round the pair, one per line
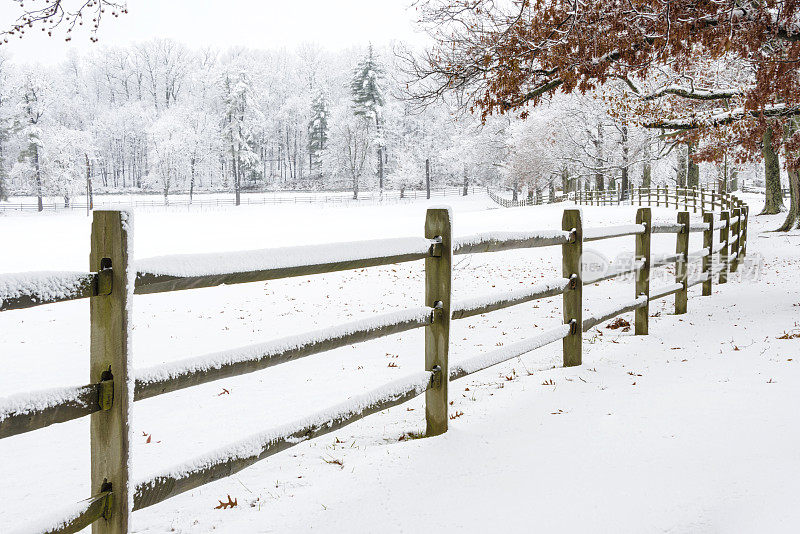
(643, 216)
(438, 277)
(682, 263)
(108, 366)
(666, 196)
(713, 200)
(724, 234)
(746, 215)
(708, 259)
(736, 234)
(573, 296)
(640, 196)
(702, 200)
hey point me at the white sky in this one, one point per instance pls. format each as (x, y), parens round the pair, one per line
(334, 24)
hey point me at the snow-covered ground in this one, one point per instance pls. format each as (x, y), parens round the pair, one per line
(689, 429)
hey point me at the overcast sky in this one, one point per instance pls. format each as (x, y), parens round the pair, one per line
(334, 24)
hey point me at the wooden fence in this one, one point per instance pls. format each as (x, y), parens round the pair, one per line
(113, 280)
(694, 199)
(536, 199)
(247, 199)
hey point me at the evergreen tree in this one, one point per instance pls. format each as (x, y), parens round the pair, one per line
(367, 92)
(241, 113)
(317, 131)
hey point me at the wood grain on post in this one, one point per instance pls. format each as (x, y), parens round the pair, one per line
(708, 259)
(437, 334)
(724, 234)
(682, 264)
(108, 314)
(573, 295)
(643, 216)
(736, 233)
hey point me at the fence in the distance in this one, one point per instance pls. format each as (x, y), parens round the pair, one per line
(536, 198)
(114, 278)
(695, 199)
(247, 199)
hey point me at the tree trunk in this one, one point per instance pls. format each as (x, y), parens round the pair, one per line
(773, 201)
(428, 178)
(89, 192)
(623, 195)
(466, 180)
(680, 178)
(647, 168)
(693, 170)
(380, 169)
(191, 179)
(38, 177)
(793, 217)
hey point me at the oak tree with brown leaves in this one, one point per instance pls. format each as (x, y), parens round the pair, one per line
(719, 74)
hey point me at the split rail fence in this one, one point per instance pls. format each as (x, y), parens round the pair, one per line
(677, 197)
(536, 199)
(115, 278)
(178, 200)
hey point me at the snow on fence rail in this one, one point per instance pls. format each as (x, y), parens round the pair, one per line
(114, 279)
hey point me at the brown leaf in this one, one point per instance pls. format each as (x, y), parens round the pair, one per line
(226, 505)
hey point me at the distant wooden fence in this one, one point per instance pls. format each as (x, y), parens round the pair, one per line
(695, 199)
(247, 199)
(536, 199)
(114, 280)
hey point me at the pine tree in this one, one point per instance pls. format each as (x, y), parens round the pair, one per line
(367, 92)
(317, 131)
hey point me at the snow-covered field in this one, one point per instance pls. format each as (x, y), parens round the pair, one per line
(689, 429)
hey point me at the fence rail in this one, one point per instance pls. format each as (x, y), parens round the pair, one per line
(693, 199)
(115, 278)
(247, 199)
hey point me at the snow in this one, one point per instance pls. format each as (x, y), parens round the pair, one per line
(499, 236)
(264, 351)
(26, 403)
(612, 231)
(690, 428)
(52, 521)
(258, 260)
(256, 444)
(477, 363)
(43, 285)
(474, 303)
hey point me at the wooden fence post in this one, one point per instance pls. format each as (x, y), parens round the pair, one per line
(724, 234)
(708, 259)
(109, 428)
(438, 280)
(573, 296)
(643, 216)
(682, 264)
(746, 215)
(736, 233)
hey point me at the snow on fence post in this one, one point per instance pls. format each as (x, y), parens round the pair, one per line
(708, 245)
(682, 263)
(573, 295)
(724, 235)
(109, 428)
(736, 233)
(438, 278)
(643, 216)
